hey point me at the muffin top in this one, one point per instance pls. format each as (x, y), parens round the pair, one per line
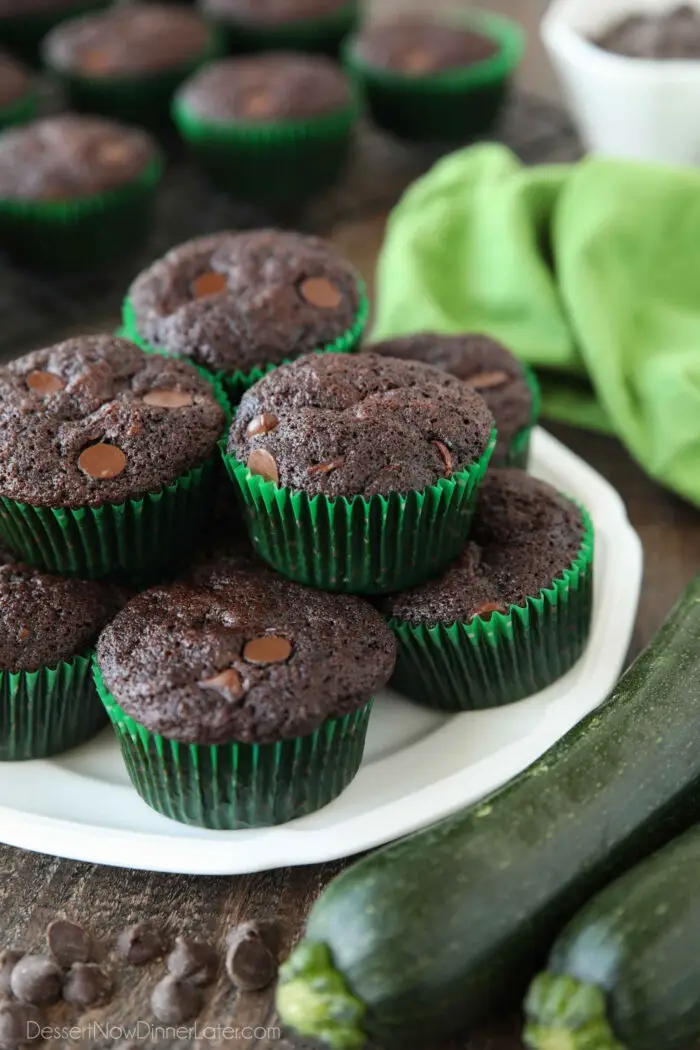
(347, 425)
(233, 301)
(273, 86)
(484, 364)
(271, 12)
(145, 38)
(421, 46)
(524, 535)
(258, 659)
(15, 80)
(69, 156)
(45, 619)
(95, 420)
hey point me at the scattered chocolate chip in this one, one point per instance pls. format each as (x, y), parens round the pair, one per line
(68, 942)
(261, 424)
(20, 1023)
(102, 461)
(168, 398)
(8, 961)
(320, 292)
(86, 985)
(36, 979)
(141, 943)
(210, 283)
(487, 380)
(174, 1001)
(487, 610)
(196, 961)
(446, 457)
(261, 462)
(44, 382)
(229, 681)
(250, 963)
(325, 468)
(268, 649)
(269, 930)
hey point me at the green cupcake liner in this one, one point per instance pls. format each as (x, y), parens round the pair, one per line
(20, 111)
(230, 786)
(236, 383)
(359, 545)
(324, 34)
(268, 163)
(48, 711)
(23, 33)
(490, 662)
(518, 454)
(84, 234)
(455, 105)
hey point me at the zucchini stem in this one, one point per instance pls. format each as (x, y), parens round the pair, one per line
(565, 1014)
(314, 999)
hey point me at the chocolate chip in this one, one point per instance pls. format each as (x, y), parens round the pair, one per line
(487, 380)
(261, 424)
(44, 382)
(229, 681)
(250, 963)
(446, 457)
(210, 283)
(174, 1001)
(261, 462)
(320, 292)
(68, 942)
(36, 979)
(8, 961)
(268, 649)
(487, 610)
(20, 1023)
(196, 961)
(269, 930)
(325, 468)
(168, 398)
(141, 943)
(102, 461)
(86, 985)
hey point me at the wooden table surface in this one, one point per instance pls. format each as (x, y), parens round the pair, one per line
(34, 888)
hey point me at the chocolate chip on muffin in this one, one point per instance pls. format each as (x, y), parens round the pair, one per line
(483, 363)
(15, 80)
(96, 420)
(417, 46)
(363, 425)
(236, 301)
(271, 12)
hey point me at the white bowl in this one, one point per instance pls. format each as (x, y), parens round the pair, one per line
(642, 109)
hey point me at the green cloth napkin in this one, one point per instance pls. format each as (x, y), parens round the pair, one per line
(590, 272)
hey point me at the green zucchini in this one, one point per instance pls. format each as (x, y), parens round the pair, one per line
(625, 973)
(427, 936)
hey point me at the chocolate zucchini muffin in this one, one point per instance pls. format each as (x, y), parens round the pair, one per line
(305, 25)
(48, 701)
(502, 381)
(75, 190)
(239, 303)
(92, 424)
(295, 110)
(359, 431)
(269, 684)
(128, 61)
(520, 591)
(17, 94)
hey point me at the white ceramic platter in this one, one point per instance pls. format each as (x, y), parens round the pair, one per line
(419, 766)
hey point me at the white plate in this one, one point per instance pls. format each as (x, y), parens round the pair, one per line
(419, 766)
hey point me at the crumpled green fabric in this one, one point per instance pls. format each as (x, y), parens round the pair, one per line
(590, 272)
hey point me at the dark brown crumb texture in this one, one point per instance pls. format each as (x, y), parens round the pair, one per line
(421, 46)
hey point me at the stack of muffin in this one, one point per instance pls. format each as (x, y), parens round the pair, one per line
(283, 524)
(271, 123)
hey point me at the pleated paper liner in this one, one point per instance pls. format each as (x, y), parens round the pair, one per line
(360, 545)
(519, 449)
(230, 786)
(496, 660)
(236, 383)
(22, 33)
(20, 111)
(457, 104)
(271, 164)
(322, 34)
(46, 712)
(81, 234)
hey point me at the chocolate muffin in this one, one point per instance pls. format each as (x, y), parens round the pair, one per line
(17, 97)
(238, 303)
(489, 368)
(512, 612)
(420, 47)
(96, 423)
(306, 25)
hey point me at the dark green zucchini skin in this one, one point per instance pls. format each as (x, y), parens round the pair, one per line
(434, 932)
(639, 942)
